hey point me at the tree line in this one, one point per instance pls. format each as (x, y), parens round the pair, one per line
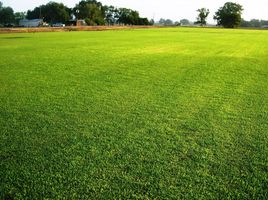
(95, 13)
(92, 11)
(228, 16)
(254, 23)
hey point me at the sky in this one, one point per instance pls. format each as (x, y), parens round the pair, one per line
(155, 9)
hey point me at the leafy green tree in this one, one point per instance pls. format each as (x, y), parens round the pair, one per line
(95, 16)
(229, 16)
(202, 16)
(245, 23)
(264, 22)
(128, 16)
(185, 22)
(91, 10)
(166, 22)
(52, 12)
(6, 15)
(254, 23)
(144, 21)
(111, 14)
(35, 13)
(19, 16)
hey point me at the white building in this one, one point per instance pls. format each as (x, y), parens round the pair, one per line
(31, 22)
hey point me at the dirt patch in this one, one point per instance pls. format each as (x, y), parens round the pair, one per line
(71, 28)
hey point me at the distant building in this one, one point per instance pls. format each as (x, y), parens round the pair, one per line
(76, 23)
(31, 22)
(265, 26)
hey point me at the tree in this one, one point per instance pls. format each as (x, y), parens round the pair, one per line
(177, 23)
(111, 14)
(166, 22)
(52, 12)
(91, 10)
(19, 16)
(255, 23)
(264, 22)
(35, 13)
(229, 16)
(123, 16)
(202, 16)
(245, 23)
(185, 22)
(131, 17)
(128, 16)
(144, 21)
(6, 15)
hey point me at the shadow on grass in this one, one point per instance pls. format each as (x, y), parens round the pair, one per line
(13, 38)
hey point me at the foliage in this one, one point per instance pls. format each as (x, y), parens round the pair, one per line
(152, 22)
(52, 12)
(255, 23)
(202, 16)
(97, 14)
(19, 16)
(165, 22)
(229, 16)
(111, 15)
(185, 22)
(6, 15)
(91, 10)
(128, 16)
(144, 21)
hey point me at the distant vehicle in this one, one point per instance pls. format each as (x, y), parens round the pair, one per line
(58, 25)
(45, 24)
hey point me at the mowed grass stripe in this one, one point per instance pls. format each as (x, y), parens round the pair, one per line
(159, 113)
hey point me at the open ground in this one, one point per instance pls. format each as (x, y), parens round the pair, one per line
(171, 113)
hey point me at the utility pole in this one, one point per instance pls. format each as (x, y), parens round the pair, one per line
(40, 14)
(77, 18)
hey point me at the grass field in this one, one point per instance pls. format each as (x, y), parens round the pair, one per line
(177, 113)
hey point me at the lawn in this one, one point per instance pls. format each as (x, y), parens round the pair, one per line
(170, 113)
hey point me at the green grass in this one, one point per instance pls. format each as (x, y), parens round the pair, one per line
(178, 113)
